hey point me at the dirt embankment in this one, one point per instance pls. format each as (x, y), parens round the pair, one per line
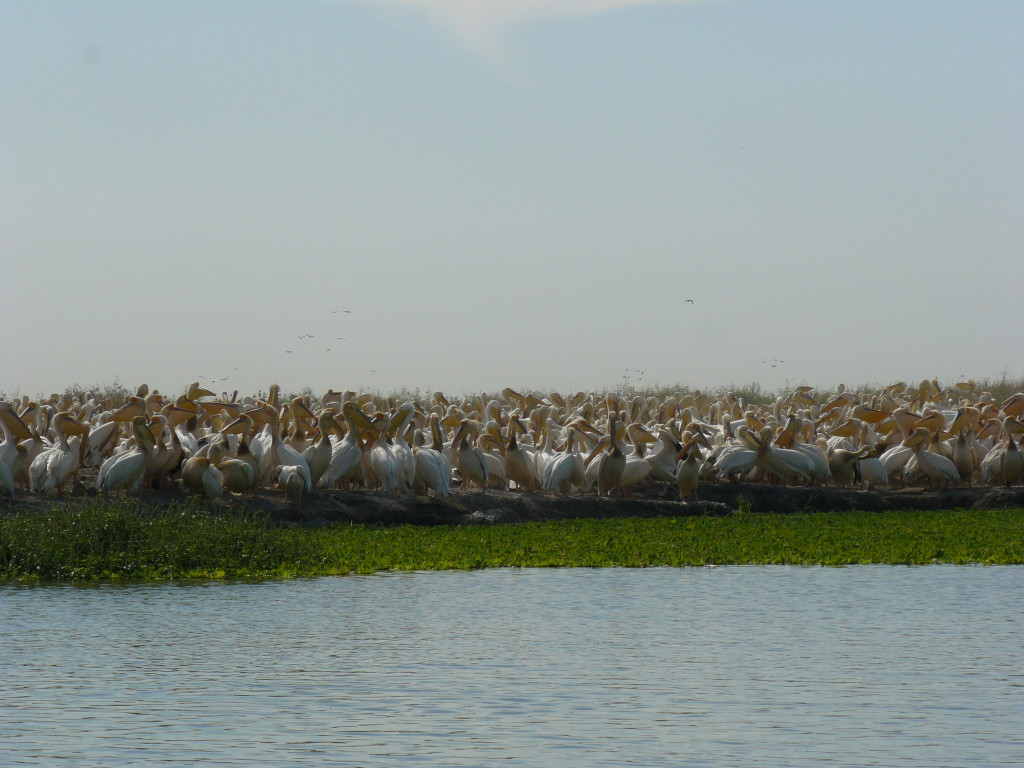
(465, 507)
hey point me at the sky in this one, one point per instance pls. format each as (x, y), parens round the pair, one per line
(462, 195)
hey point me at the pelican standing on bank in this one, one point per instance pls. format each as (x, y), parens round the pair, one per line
(53, 466)
(125, 470)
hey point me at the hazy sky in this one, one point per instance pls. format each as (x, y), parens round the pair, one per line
(510, 193)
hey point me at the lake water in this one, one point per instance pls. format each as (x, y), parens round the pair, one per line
(735, 666)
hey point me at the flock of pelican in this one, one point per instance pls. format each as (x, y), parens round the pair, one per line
(605, 444)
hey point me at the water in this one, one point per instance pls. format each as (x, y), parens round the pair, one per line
(866, 666)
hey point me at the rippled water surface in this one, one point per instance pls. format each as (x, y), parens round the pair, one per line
(741, 666)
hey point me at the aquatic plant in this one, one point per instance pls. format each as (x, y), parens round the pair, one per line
(124, 539)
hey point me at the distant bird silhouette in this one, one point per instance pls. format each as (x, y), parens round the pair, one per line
(689, 301)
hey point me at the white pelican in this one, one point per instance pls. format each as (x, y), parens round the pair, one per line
(519, 467)
(293, 481)
(470, 460)
(318, 455)
(242, 453)
(125, 470)
(347, 453)
(688, 470)
(1012, 465)
(730, 462)
(101, 442)
(490, 448)
(613, 464)
(566, 470)
(53, 467)
(404, 458)
(844, 466)
(939, 469)
(14, 429)
(872, 471)
(663, 460)
(785, 463)
(964, 458)
(385, 464)
(200, 475)
(432, 466)
(239, 475)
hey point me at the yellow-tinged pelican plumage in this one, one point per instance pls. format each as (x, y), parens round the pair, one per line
(613, 463)
(519, 468)
(1012, 465)
(318, 455)
(201, 476)
(688, 471)
(53, 466)
(14, 430)
(470, 460)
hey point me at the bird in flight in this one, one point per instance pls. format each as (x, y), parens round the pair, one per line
(689, 301)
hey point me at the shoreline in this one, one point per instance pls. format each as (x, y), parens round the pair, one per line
(472, 507)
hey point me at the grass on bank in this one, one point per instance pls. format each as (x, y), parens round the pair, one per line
(126, 540)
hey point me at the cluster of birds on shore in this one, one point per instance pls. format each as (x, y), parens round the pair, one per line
(581, 443)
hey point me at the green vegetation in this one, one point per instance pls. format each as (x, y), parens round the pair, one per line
(123, 539)
(113, 394)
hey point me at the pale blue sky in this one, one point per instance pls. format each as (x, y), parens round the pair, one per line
(510, 194)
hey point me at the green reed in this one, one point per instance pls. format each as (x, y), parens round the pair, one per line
(123, 539)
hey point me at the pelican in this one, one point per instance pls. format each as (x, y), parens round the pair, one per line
(432, 466)
(201, 476)
(14, 429)
(490, 448)
(519, 467)
(1012, 465)
(844, 466)
(53, 467)
(293, 481)
(469, 459)
(239, 475)
(939, 469)
(404, 458)
(125, 470)
(663, 461)
(733, 461)
(613, 464)
(566, 470)
(385, 464)
(318, 455)
(100, 443)
(964, 458)
(688, 471)
(347, 453)
(872, 471)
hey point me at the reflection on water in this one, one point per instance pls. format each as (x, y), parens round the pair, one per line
(870, 665)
